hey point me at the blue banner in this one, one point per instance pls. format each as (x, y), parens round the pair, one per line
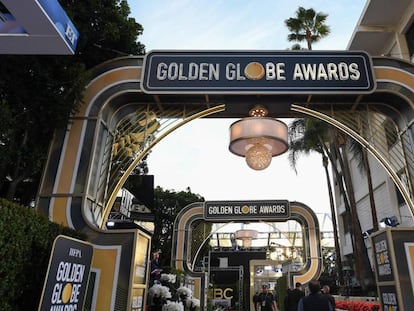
(61, 21)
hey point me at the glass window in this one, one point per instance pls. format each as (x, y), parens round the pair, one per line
(391, 133)
(410, 40)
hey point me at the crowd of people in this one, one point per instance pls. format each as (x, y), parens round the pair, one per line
(318, 299)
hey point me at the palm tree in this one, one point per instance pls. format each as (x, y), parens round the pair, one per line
(297, 47)
(308, 135)
(361, 156)
(307, 26)
(363, 269)
(305, 136)
(311, 135)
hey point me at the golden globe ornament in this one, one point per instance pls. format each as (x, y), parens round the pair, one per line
(258, 157)
(254, 71)
(66, 293)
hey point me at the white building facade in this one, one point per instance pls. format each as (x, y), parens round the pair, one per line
(385, 28)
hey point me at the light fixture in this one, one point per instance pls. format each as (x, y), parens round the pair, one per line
(273, 255)
(366, 234)
(258, 138)
(389, 222)
(278, 273)
(246, 235)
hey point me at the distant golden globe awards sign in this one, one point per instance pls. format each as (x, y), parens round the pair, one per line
(247, 210)
(274, 72)
(67, 278)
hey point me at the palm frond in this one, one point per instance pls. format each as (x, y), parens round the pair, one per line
(357, 152)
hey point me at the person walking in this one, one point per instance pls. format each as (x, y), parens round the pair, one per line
(326, 290)
(255, 300)
(315, 301)
(266, 301)
(293, 297)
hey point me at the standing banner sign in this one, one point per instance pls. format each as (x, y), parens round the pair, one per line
(67, 277)
(394, 267)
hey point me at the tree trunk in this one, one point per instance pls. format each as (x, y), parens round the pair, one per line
(11, 190)
(3, 174)
(17, 176)
(338, 257)
(333, 154)
(309, 39)
(363, 269)
(370, 191)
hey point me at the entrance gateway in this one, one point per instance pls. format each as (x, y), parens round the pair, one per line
(131, 104)
(245, 211)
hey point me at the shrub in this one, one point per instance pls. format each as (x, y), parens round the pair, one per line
(26, 240)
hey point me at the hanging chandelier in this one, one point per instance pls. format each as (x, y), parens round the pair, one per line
(258, 138)
(246, 235)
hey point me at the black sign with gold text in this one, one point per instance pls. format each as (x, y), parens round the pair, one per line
(388, 298)
(246, 210)
(382, 258)
(68, 273)
(257, 72)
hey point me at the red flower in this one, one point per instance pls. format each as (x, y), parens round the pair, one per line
(357, 305)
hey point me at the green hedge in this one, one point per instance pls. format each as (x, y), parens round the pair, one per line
(26, 240)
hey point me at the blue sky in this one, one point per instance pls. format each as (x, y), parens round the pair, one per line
(197, 155)
(237, 24)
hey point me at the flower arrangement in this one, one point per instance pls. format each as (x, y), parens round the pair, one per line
(160, 291)
(186, 297)
(160, 297)
(357, 305)
(169, 278)
(173, 306)
(184, 291)
(196, 302)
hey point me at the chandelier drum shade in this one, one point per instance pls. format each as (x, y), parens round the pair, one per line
(246, 235)
(258, 139)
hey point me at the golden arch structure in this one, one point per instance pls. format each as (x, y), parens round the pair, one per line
(182, 252)
(117, 124)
